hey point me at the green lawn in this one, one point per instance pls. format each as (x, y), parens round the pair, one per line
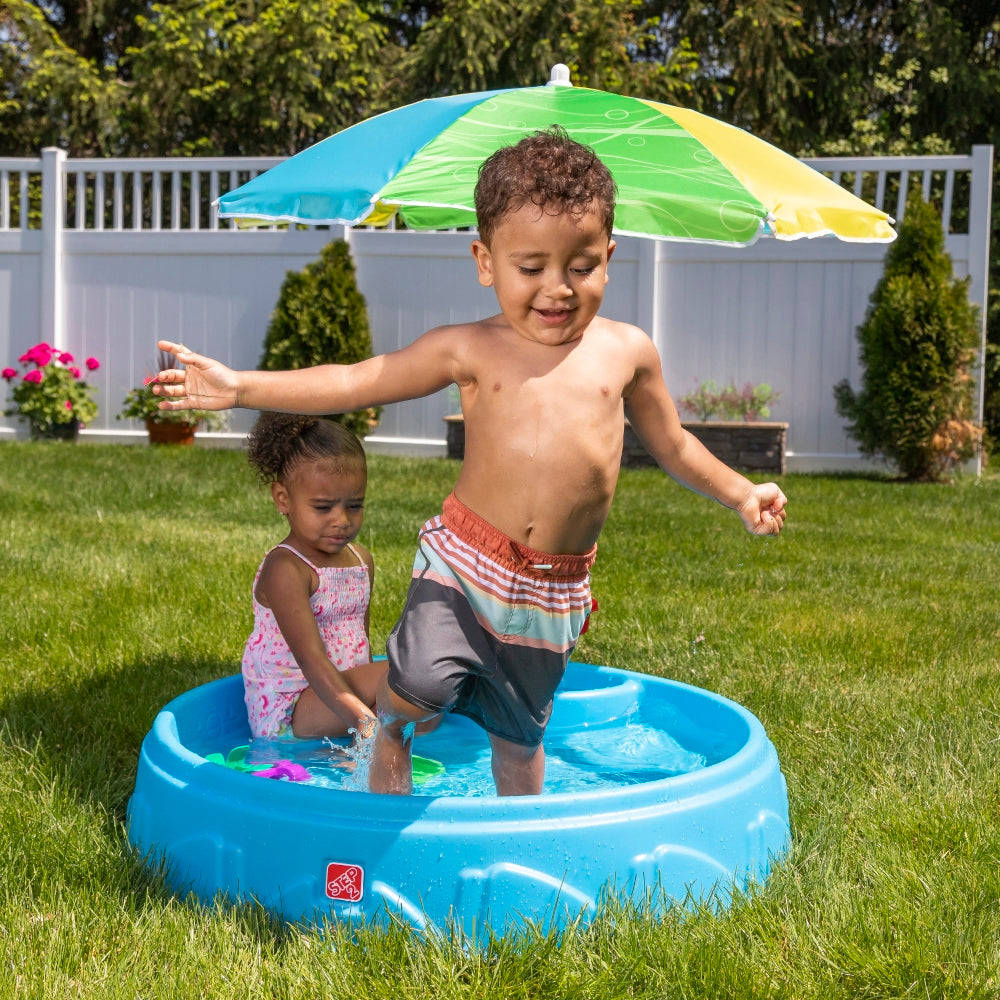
(866, 638)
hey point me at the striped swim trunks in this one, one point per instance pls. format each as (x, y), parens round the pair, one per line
(488, 626)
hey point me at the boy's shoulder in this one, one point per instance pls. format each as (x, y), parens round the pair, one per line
(615, 326)
(618, 336)
(463, 329)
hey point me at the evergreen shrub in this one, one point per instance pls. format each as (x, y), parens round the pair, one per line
(918, 348)
(321, 318)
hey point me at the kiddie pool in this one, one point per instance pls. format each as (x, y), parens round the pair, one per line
(442, 861)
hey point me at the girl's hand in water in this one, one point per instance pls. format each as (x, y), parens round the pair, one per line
(366, 729)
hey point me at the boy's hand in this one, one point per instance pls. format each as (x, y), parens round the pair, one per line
(763, 512)
(204, 384)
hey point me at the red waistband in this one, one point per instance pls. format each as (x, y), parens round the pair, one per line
(491, 541)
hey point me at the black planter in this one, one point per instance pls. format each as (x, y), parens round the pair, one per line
(55, 432)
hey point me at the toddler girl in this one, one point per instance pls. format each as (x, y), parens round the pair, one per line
(307, 667)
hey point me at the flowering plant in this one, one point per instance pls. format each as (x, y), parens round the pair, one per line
(752, 402)
(52, 392)
(141, 403)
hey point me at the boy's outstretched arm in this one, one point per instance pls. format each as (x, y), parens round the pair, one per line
(423, 367)
(683, 457)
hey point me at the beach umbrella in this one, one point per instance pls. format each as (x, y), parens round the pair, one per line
(680, 175)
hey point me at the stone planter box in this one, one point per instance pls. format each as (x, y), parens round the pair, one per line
(753, 446)
(757, 446)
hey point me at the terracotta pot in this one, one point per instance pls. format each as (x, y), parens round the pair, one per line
(169, 433)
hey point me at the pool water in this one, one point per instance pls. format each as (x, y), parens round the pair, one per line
(629, 753)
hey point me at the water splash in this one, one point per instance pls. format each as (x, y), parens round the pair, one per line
(360, 753)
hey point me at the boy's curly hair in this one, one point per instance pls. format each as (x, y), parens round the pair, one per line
(279, 441)
(546, 169)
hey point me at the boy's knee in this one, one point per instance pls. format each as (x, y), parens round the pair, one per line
(515, 753)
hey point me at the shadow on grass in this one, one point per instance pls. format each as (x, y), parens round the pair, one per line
(90, 730)
(85, 738)
(850, 475)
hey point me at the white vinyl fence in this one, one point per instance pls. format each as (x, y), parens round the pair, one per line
(102, 257)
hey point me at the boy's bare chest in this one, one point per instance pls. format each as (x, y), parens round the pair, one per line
(578, 383)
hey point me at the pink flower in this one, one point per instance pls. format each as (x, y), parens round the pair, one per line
(93, 364)
(75, 372)
(69, 405)
(8, 373)
(40, 354)
(149, 379)
(35, 375)
(66, 358)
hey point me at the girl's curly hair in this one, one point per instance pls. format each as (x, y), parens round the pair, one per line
(279, 441)
(547, 169)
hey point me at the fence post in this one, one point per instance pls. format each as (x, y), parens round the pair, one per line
(980, 205)
(51, 307)
(648, 290)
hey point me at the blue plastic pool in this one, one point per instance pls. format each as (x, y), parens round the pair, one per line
(472, 861)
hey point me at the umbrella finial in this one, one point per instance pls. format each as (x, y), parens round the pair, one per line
(560, 76)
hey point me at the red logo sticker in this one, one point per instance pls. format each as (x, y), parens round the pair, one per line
(345, 881)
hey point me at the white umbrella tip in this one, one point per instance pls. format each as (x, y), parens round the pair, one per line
(560, 76)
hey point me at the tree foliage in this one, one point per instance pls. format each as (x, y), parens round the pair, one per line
(918, 344)
(485, 44)
(50, 93)
(269, 76)
(257, 78)
(213, 77)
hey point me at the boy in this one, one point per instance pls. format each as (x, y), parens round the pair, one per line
(500, 587)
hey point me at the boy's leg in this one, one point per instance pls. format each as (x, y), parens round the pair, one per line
(517, 769)
(392, 759)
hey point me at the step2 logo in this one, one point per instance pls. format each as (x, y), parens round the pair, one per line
(345, 882)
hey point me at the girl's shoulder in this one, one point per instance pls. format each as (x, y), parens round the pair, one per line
(290, 559)
(284, 567)
(364, 557)
(285, 554)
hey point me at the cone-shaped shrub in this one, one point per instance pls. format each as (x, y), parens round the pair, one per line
(321, 318)
(918, 346)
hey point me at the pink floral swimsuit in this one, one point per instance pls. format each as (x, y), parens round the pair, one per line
(272, 681)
